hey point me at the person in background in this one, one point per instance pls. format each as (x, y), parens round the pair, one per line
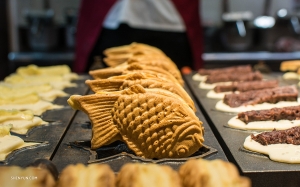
(170, 25)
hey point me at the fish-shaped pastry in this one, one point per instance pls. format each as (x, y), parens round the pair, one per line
(134, 67)
(163, 62)
(122, 82)
(154, 123)
(132, 48)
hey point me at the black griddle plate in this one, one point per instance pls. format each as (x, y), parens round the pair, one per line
(261, 170)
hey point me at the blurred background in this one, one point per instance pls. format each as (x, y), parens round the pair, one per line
(43, 32)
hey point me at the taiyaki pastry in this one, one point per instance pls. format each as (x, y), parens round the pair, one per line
(132, 48)
(279, 145)
(169, 66)
(56, 81)
(259, 99)
(203, 72)
(45, 91)
(290, 65)
(21, 121)
(275, 118)
(214, 80)
(163, 62)
(92, 175)
(115, 84)
(154, 123)
(211, 173)
(9, 143)
(29, 102)
(147, 175)
(291, 69)
(115, 60)
(219, 91)
(15, 176)
(135, 67)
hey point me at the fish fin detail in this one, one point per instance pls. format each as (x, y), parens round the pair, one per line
(136, 76)
(106, 85)
(134, 66)
(105, 73)
(134, 89)
(99, 107)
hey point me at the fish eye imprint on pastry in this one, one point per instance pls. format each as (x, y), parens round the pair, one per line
(279, 118)
(151, 124)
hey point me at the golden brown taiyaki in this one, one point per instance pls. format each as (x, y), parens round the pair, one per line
(145, 58)
(135, 67)
(132, 48)
(154, 123)
(116, 84)
(115, 60)
(147, 175)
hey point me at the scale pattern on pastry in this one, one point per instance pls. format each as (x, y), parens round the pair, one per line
(153, 123)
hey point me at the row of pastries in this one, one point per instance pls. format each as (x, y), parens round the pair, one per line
(193, 173)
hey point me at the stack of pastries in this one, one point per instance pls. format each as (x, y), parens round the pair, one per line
(193, 173)
(141, 102)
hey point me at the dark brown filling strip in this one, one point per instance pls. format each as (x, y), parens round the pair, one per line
(246, 86)
(274, 95)
(289, 136)
(234, 77)
(241, 68)
(274, 114)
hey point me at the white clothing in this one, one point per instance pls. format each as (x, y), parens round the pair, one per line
(145, 14)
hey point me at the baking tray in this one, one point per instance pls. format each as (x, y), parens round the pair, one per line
(261, 170)
(75, 148)
(48, 135)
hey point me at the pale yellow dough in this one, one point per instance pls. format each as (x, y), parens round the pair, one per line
(221, 106)
(263, 125)
(37, 108)
(286, 153)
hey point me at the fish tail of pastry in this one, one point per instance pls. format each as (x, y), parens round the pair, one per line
(107, 85)
(99, 109)
(105, 73)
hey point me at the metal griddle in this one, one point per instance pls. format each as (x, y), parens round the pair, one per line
(261, 170)
(49, 136)
(75, 147)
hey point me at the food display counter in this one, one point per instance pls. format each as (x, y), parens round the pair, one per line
(258, 167)
(75, 147)
(66, 140)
